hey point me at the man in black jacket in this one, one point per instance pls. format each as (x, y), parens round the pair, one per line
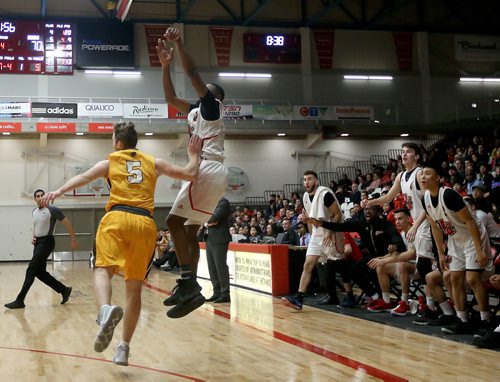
(217, 243)
(378, 237)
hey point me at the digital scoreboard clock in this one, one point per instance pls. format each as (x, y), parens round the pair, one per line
(271, 48)
(36, 47)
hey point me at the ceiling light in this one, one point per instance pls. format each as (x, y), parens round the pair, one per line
(365, 77)
(344, 135)
(376, 121)
(473, 105)
(148, 134)
(91, 71)
(246, 75)
(496, 100)
(478, 79)
(79, 133)
(281, 134)
(405, 135)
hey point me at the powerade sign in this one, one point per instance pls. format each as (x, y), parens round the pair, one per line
(54, 110)
(105, 44)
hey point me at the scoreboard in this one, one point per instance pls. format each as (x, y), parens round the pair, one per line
(36, 47)
(271, 48)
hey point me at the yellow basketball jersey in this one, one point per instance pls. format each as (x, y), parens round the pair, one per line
(132, 178)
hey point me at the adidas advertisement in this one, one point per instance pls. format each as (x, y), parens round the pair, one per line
(54, 110)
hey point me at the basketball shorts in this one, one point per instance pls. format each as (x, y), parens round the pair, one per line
(325, 253)
(197, 200)
(126, 242)
(463, 253)
(423, 241)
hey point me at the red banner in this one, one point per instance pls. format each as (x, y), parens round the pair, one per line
(324, 46)
(122, 8)
(222, 41)
(101, 127)
(153, 33)
(403, 42)
(11, 127)
(173, 113)
(56, 127)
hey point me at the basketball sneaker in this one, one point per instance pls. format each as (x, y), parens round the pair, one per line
(292, 302)
(443, 320)
(109, 316)
(184, 290)
(121, 355)
(458, 327)
(490, 340)
(380, 306)
(427, 316)
(348, 302)
(401, 310)
(185, 307)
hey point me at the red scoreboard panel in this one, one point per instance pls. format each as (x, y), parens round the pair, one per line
(271, 48)
(36, 47)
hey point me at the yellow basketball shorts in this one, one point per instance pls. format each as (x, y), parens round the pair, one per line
(126, 242)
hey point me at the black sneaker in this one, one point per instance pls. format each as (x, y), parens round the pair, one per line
(16, 304)
(183, 291)
(66, 294)
(443, 320)
(458, 327)
(490, 340)
(483, 328)
(327, 300)
(185, 307)
(348, 302)
(427, 315)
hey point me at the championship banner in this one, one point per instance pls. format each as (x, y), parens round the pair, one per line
(403, 42)
(145, 110)
(102, 110)
(272, 112)
(324, 46)
(153, 33)
(238, 112)
(122, 9)
(54, 110)
(15, 109)
(477, 48)
(101, 127)
(56, 127)
(11, 127)
(222, 41)
(173, 113)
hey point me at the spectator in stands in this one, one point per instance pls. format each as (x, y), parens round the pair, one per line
(271, 209)
(355, 193)
(399, 265)
(170, 256)
(345, 182)
(459, 165)
(320, 203)
(304, 235)
(378, 237)
(289, 235)
(255, 235)
(468, 247)
(485, 176)
(470, 180)
(356, 212)
(492, 228)
(480, 201)
(364, 199)
(298, 207)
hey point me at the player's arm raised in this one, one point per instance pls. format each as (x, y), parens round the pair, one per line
(389, 197)
(188, 172)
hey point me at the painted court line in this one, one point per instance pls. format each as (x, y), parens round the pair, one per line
(356, 365)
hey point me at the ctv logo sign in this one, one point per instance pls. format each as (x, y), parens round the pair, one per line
(54, 110)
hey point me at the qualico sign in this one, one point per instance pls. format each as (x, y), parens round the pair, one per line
(54, 110)
(100, 110)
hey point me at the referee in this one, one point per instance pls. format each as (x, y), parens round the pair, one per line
(44, 221)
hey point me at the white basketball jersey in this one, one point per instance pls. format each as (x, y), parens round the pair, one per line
(211, 132)
(446, 218)
(412, 195)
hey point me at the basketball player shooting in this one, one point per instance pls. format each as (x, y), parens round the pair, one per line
(196, 200)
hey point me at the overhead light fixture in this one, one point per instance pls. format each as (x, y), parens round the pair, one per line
(473, 105)
(479, 79)
(405, 135)
(79, 133)
(364, 77)
(125, 73)
(496, 100)
(246, 75)
(6, 133)
(281, 134)
(376, 121)
(148, 134)
(344, 135)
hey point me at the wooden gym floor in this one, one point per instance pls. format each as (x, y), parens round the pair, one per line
(254, 338)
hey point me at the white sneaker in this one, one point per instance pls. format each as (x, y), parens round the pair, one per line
(121, 355)
(109, 316)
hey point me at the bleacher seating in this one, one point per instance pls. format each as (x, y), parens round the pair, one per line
(326, 177)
